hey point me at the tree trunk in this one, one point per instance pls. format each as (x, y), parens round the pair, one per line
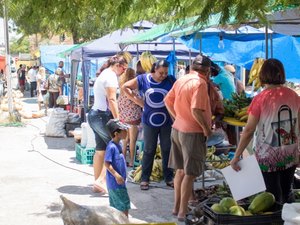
(75, 37)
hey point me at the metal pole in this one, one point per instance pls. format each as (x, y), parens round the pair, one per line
(175, 64)
(7, 63)
(200, 43)
(137, 52)
(190, 57)
(267, 42)
(271, 40)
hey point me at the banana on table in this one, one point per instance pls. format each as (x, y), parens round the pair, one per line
(147, 60)
(254, 73)
(234, 122)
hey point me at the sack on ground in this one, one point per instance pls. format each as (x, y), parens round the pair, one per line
(74, 214)
(56, 124)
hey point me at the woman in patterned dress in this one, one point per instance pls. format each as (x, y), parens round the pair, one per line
(130, 113)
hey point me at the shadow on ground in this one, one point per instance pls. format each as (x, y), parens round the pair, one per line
(30, 100)
(52, 211)
(60, 143)
(79, 190)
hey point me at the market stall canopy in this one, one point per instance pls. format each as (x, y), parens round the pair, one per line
(106, 45)
(190, 24)
(243, 53)
(50, 58)
(286, 21)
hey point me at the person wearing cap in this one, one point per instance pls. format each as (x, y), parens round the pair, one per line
(115, 164)
(239, 86)
(54, 87)
(189, 104)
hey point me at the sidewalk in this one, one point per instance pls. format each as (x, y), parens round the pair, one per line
(36, 170)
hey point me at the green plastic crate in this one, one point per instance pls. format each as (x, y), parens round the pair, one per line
(84, 155)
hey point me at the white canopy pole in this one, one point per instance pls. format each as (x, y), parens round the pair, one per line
(7, 63)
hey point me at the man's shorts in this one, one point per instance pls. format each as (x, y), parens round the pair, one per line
(119, 199)
(188, 152)
(97, 120)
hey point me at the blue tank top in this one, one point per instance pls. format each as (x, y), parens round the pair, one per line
(155, 113)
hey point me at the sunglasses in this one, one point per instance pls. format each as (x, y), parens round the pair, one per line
(123, 67)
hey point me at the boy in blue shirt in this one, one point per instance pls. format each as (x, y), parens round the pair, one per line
(116, 167)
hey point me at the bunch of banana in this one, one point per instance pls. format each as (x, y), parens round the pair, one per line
(210, 151)
(147, 60)
(127, 56)
(137, 174)
(157, 171)
(254, 73)
(218, 162)
(238, 101)
(242, 114)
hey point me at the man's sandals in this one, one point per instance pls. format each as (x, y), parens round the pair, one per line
(144, 186)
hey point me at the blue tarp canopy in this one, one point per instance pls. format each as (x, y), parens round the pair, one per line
(50, 58)
(241, 48)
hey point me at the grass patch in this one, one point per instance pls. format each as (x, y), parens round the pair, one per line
(12, 124)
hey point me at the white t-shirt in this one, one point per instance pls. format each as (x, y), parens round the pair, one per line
(32, 75)
(106, 79)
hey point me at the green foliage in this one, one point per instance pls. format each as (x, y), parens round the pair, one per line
(89, 19)
(22, 45)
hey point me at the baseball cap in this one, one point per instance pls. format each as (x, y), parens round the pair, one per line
(115, 124)
(202, 60)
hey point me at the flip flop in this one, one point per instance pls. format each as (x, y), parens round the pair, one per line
(170, 184)
(99, 189)
(144, 186)
(181, 219)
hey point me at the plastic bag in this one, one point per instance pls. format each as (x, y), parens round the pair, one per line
(46, 98)
(60, 100)
(56, 124)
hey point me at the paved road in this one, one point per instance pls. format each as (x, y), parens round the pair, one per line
(35, 170)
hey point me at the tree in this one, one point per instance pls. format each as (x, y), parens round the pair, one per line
(47, 18)
(128, 11)
(89, 19)
(21, 45)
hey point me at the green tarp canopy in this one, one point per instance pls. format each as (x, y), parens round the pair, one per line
(67, 52)
(184, 26)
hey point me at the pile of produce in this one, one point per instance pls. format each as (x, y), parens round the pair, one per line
(127, 56)
(217, 162)
(157, 170)
(17, 102)
(254, 73)
(261, 204)
(237, 107)
(213, 191)
(147, 60)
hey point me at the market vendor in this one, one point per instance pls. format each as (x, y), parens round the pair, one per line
(224, 80)
(239, 86)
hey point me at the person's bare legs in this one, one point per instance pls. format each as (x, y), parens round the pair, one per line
(186, 187)
(179, 175)
(124, 146)
(99, 171)
(133, 133)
